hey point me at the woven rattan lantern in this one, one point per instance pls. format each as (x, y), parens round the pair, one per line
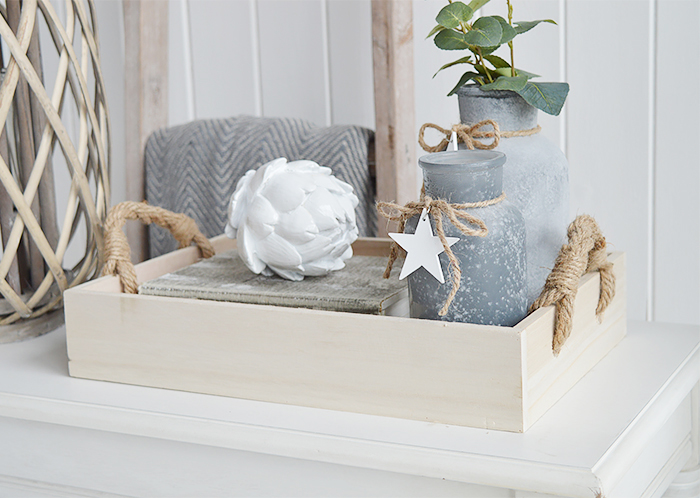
(36, 145)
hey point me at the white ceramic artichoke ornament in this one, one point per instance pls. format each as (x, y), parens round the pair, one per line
(293, 219)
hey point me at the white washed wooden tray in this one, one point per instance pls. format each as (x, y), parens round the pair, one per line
(491, 377)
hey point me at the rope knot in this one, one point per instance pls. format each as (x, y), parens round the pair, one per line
(585, 252)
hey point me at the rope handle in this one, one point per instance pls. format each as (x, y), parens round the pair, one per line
(117, 250)
(585, 253)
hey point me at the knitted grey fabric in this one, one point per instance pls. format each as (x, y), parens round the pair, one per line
(194, 168)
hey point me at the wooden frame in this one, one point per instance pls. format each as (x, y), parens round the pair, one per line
(145, 24)
(491, 377)
(146, 81)
(394, 107)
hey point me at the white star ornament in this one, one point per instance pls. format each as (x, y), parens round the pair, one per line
(422, 249)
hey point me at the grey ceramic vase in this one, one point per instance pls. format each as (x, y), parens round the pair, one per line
(535, 178)
(492, 288)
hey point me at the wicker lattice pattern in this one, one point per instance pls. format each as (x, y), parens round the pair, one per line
(32, 287)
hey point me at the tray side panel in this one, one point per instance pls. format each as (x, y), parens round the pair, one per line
(549, 377)
(416, 369)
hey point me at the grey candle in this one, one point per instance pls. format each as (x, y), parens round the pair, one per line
(492, 287)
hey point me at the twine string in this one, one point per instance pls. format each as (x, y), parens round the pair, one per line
(585, 252)
(117, 251)
(465, 222)
(470, 135)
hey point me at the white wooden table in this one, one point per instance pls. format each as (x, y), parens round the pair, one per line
(629, 428)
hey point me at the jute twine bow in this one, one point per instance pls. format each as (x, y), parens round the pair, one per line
(585, 252)
(469, 135)
(438, 208)
(117, 251)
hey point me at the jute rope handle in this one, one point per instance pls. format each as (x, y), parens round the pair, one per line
(585, 252)
(469, 135)
(117, 250)
(438, 208)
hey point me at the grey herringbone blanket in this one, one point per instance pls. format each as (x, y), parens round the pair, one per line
(194, 168)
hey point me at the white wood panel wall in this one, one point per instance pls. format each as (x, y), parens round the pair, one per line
(608, 129)
(631, 126)
(251, 57)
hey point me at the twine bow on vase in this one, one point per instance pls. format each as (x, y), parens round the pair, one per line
(470, 135)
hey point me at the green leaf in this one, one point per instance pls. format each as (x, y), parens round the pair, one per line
(477, 4)
(479, 51)
(508, 30)
(485, 32)
(481, 69)
(516, 83)
(453, 14)
(504, 71)
(449, 39)
(547, 97)
(496, 61)
(521, 72)
(463, 60)
(524, 26)
(469, 75)
(435, 30)
(488, 50)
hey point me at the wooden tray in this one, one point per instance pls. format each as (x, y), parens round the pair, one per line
(491, 377)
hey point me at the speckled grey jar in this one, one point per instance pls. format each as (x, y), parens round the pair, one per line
(492, 290)
(535, 178)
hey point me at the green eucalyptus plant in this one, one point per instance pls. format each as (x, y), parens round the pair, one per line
(483, 37)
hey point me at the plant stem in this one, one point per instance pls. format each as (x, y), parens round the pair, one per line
(483, 64)
(510, 43)
(512, 61)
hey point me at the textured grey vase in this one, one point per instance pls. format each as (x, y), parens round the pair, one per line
(535, 177)
(492, 290)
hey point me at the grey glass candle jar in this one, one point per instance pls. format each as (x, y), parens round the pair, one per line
(493, 284)
(536, 177)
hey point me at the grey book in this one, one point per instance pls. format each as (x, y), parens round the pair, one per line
(357, 288)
